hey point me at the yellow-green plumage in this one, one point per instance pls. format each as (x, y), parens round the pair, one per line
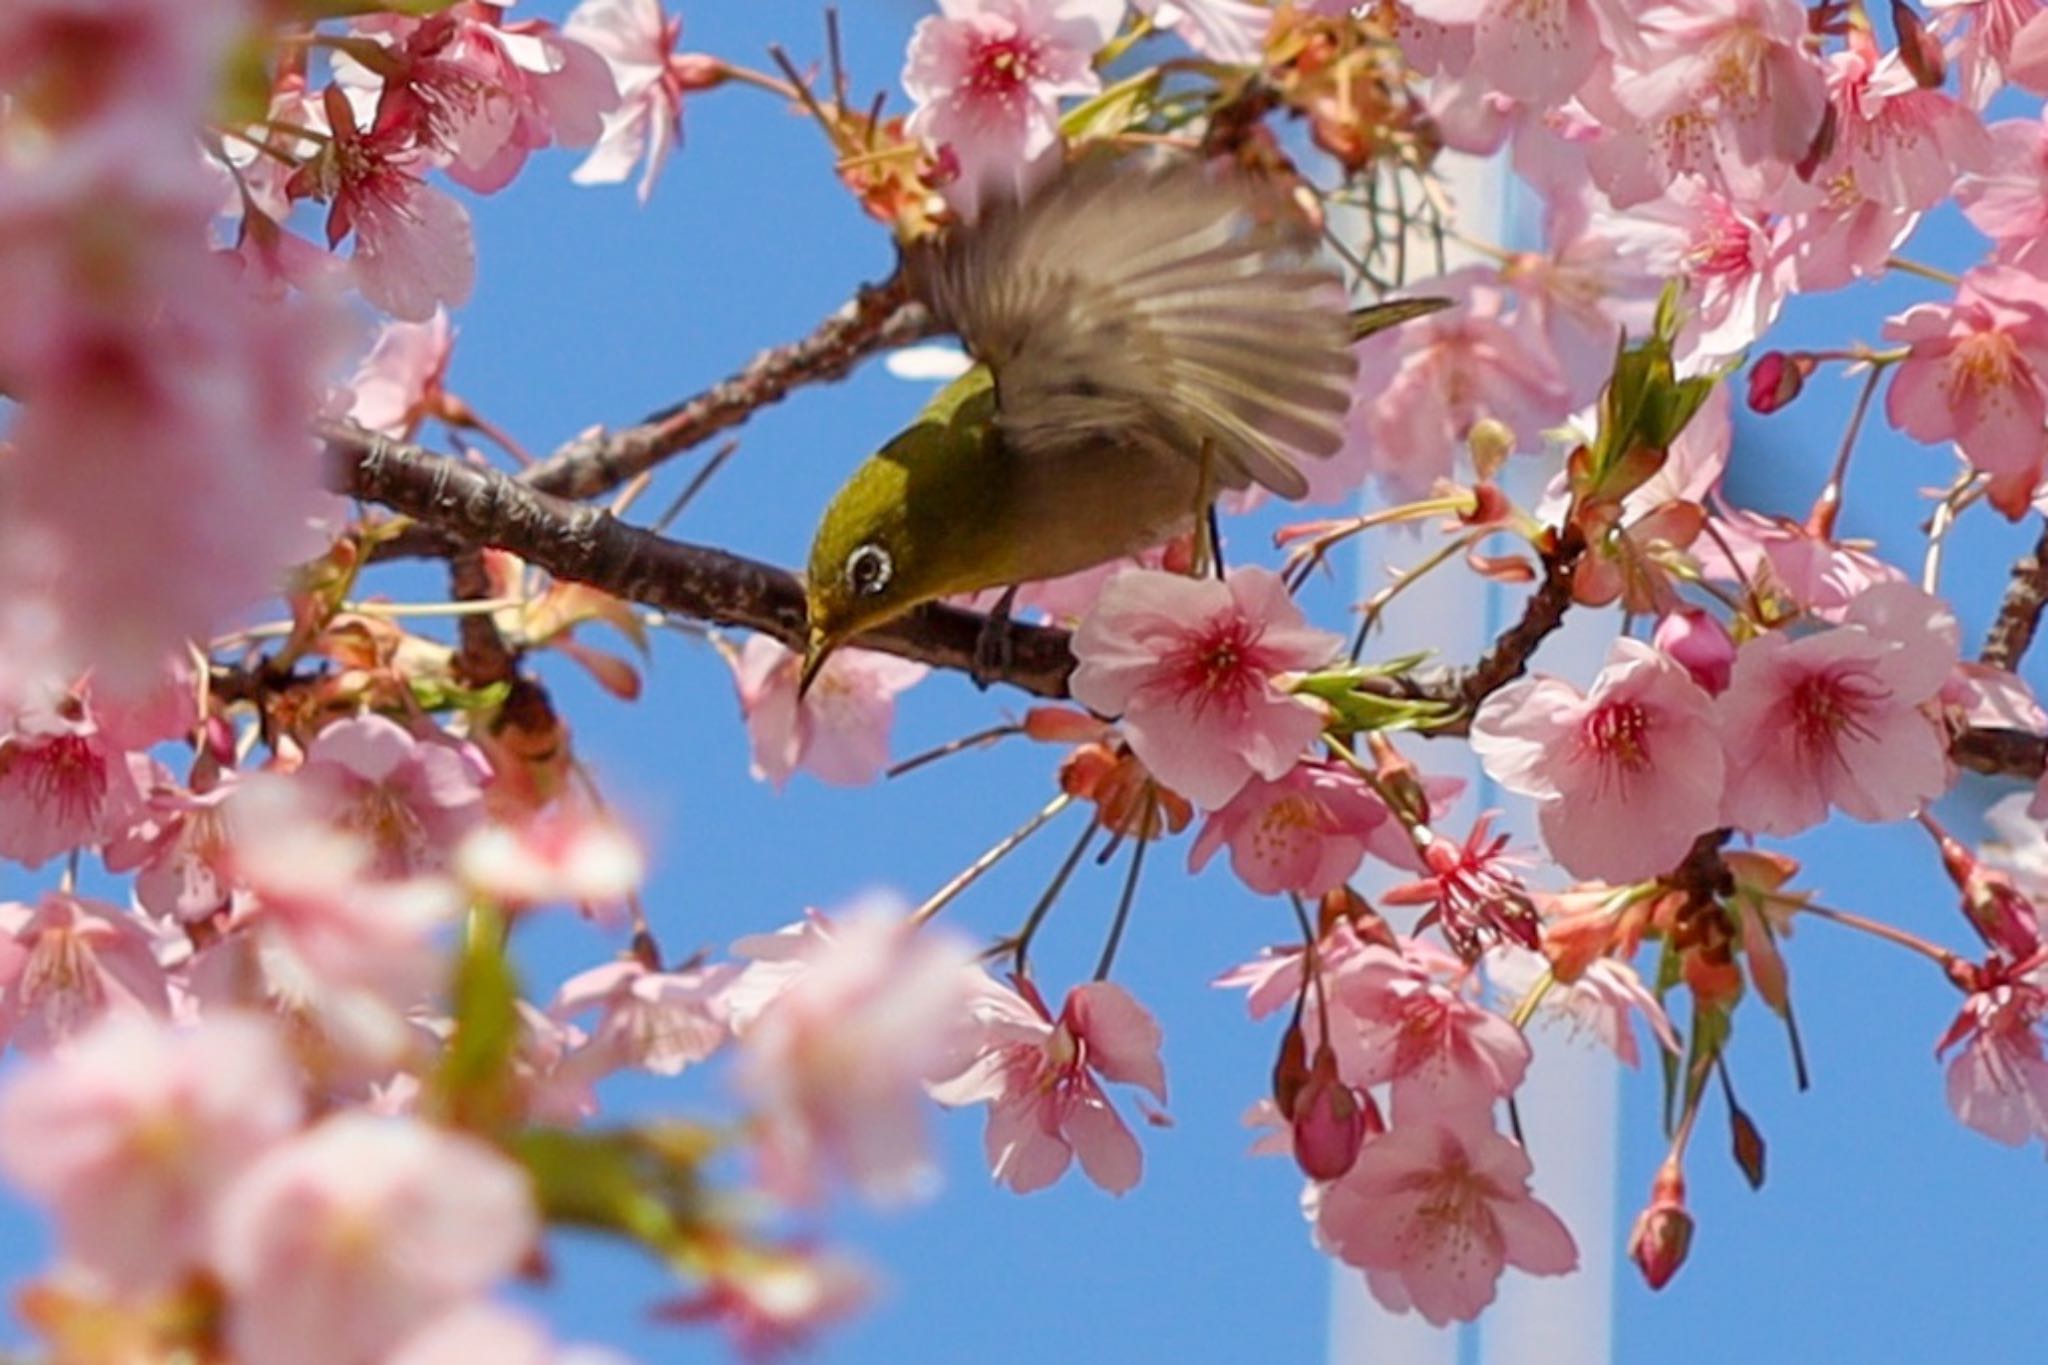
(1145, 337)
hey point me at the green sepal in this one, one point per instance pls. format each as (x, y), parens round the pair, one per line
(1355, 709)
(639, 1183)
(445, 694)
(1118, 109)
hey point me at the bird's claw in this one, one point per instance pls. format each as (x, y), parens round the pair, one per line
(993, 651)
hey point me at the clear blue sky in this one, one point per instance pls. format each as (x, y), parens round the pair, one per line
(1886, 1231)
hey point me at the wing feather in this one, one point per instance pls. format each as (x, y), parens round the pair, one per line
(1152, 300)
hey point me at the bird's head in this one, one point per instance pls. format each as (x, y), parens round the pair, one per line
(914, 523)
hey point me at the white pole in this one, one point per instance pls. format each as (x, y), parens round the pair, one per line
(1568, 1105)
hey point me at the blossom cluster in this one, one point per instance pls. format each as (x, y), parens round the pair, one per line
(281, 1088)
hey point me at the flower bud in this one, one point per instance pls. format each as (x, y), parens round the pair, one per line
(1777, 378)
(1491, 442)
(1290, 1071)
(1329, 1120)
(698, 71)
(1663, 1231)
(1701, 644)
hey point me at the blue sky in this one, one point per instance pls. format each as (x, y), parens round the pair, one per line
(1885, 1231)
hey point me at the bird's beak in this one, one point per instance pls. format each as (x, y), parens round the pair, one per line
(816, 652)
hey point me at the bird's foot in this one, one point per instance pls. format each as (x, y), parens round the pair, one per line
(993, 654)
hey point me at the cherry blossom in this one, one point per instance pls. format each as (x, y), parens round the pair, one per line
(1433, 1214)
(62, 784)
(409, 799)
(838, 1023)
(136, 1130)
(1447, 1058)
(1728, 252)
(339, 1243)
(1039, 1075)
(1627, 774)
(1975, 375)
(987, 77)
(838, 730)
(1227, 30)
(562, 854)
(1835, 718)
(1306, 833)
(1998, 1083)
(399, 385)
(1601, 1002)
(664, 1022)
(1194, 667)
(637, 41)
(67, 962)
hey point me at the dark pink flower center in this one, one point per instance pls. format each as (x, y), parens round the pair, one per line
(1827, 706)
(65, 778)
(1617, 734)
(1002, 67)
(1722, 244)
(1221, 665)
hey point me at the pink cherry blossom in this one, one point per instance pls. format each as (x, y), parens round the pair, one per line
(1039, 1078)
(1897, 142)
(1226, 30)
(1776, 555)
(1601, 1002)
(1978, 375)
(131, 1135)
(839, 1022)
(1306, 833)
(1431, 380)
(637, 41)
(776, 1303)
(91, 57)
(839, 730)
(1194, 668)
(1836, 718)
(1448, 1059)
(1274, 979)
(483, 92)
(1989, 29)
(1726, 251)
(987, 77)
(315, 888)
(66, 962)
(663, 1022)
(179, 854)
(2007, 198)
(1473, 889)
(410, 799)
(1627, 775)
(399, 384)
(562, 854)
(339, 1243)
(1433, 1214)
(1534, 50)
(415, 251)
(1998, 1083)
(63, 786)
(477, 1332)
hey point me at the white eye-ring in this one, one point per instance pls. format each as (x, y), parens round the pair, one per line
(868, 569)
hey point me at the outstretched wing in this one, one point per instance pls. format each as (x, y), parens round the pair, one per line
(1127, 298)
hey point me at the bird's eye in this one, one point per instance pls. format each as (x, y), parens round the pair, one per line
(867, 570)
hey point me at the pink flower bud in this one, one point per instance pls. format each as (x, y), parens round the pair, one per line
(697, 71)
(1330, 1120)
(1700, 644)
(1663, 1231)
(1776, 379)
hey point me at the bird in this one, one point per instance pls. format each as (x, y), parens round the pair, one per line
(1146, 334)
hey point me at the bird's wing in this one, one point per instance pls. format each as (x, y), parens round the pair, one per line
(1126, 299)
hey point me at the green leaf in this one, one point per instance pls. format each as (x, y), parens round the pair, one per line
(475, 1085)
(1355, 708)
(445, 694)
(346, 9)
(1118, 109)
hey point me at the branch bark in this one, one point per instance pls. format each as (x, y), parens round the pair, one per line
(587, 544)
(2019, 613)
(878, 317)
(477, 506)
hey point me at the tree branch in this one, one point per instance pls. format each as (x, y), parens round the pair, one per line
(878, 317)
(477, 506)
(587, 544)
(2019, 614)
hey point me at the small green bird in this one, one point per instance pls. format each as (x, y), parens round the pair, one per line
(1145, 336)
